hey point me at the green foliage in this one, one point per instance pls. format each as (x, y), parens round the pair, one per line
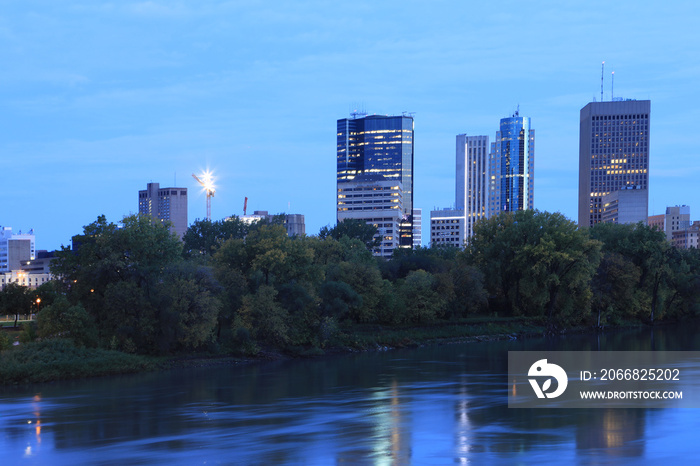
(649, 251)
(353, 229)
(204, 237)
(421, 301)
(536, 263)
(262, 315)
(247, 289)
(57, 359)
(16, 299)
(61, 320)
(5, 340)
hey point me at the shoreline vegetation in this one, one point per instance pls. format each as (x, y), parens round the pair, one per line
(136, 298)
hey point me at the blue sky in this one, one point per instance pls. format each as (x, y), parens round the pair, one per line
(100, 98)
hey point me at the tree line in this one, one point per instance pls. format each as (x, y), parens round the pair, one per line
(233, 287)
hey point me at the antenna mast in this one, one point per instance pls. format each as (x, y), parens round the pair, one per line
(602, 73)
(612, 87)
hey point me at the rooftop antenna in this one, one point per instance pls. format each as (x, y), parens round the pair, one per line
(361, 113)
(602, 73)
(612, 87)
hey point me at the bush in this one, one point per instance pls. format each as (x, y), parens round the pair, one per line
(57, 359)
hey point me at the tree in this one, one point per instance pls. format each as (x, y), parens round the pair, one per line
(16, 299)
(114, 273)
(536, 263)
(422, 302)
(62, 320)
(204, 237)
(263, 316)
(647, 249)
(353, 228)
(614, 287)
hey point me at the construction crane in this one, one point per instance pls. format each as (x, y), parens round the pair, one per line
(207, 184)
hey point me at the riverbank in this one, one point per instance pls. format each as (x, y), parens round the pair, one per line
(59, 359)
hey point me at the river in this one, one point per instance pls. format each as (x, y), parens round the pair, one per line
(443, 404)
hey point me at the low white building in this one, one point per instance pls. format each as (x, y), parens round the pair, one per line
(448, 227)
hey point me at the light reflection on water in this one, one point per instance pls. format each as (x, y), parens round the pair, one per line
(433, 405)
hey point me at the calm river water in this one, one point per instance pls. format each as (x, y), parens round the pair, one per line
(434, 405)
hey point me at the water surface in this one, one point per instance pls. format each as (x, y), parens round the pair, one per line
(433, 405)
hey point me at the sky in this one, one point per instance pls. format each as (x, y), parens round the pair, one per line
(100, 98)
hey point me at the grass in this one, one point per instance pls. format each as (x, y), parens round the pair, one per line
(58, 359)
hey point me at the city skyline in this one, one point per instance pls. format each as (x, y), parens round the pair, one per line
(159, 91)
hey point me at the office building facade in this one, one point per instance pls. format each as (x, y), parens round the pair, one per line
(512, 166)
(417, 228)
(373, 149)
(376, 201)
(613, 154)
(293, 223)
(448, 228)
(472, 180)
(15, 249)
(166, 205)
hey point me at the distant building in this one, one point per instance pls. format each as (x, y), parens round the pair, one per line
(167, 205)
(472, 180)
(613, 154)
(294, 223)
(656, 221)
(20, 262)
(15, 249)
(687, 237)
(370, 150)
(448, 228)
(376, 201)
(417, 228)
(626, 206)
(512, 167)
(677, 218)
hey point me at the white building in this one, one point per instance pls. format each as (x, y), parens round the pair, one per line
(377, 201)
(472, 180)
(677, 218)
(687, 237)
(294, 223)
(15, 248)
(417, 228)
(448, 228)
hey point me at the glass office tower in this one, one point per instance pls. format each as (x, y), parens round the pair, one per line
(378, 146)
(512, 166)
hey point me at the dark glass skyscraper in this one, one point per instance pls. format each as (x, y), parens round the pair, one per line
(512, 166)
(378, 148)
(613, 156)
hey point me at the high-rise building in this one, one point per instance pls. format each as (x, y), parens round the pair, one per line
(417, 228)
(370, 150)
(613, 154)
(165, 204)
(377, 201)
(472, 182)
(512, 166)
